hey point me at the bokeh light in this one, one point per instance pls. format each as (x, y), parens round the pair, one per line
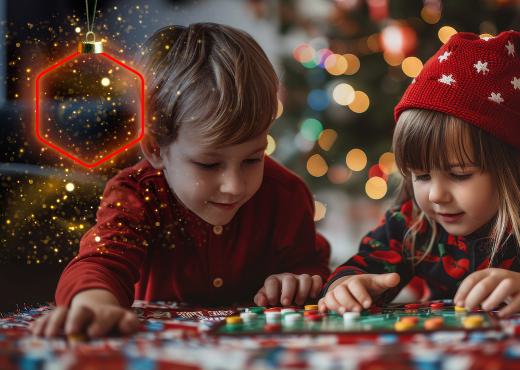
(431, 14)
(311, 129)
(339, 174)
(318, 100)
(387, 163)
(376, 187)
(271, 145)
(353, 64)
(320, 210)
(336, 64)
(327, 139)
(412, 66)
(279, 110)
(317, 166)
(360, 103)
(343, 94)
(356, 159)
(445, 33)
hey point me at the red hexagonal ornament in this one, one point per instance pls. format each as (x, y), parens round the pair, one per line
(90, 106)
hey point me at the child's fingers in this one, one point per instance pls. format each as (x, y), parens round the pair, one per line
(330, 302)
(289, 286)
(78, 318)
(378, 283)
(480, 292)
(129, 323)
(272, 287)
(322, 307)
(345, 299)
(304, 287)
(317, 284)
(38, 326)
(359, 292)
(504, 289)
(260, 298)
(511, 308)
(104, 321)
(56, 322)
(466, 286)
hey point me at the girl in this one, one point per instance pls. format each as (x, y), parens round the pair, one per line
(457, 225)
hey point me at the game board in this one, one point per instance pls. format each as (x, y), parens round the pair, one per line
(425, 317)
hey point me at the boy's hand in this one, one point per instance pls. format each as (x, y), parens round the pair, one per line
(355, 292)
(287, 288)
(95, 318)
(489, 288)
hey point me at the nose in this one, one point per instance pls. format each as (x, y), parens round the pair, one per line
(438, 192)
(232, 182)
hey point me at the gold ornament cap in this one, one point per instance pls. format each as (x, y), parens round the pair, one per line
(90, 46)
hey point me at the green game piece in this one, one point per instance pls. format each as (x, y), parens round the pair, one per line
(257, 309)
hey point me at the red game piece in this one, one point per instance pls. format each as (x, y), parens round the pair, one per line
(311, 312)
(314, 317)
(272, 327)
(436, 305)
(412, 306)
(273, 309)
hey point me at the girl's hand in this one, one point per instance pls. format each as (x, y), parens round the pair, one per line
(355, 292)
(489, 288)
(286, 288)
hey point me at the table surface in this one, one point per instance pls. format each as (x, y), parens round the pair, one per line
(183, 337)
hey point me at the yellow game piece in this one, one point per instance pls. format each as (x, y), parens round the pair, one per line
(433, 323)
(311, 307)
(473, 321)
(411, 319)
(233, 320)
(403, 325)
(459, 309)
(76, 338)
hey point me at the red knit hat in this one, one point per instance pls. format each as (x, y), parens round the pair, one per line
(475, 79)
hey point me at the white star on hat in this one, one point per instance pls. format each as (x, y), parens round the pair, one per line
(481, 67)
(510, 48)
(444, 56)
(516, 83)
(446, 79)
(496, 97)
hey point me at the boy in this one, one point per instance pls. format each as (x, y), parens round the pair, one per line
(206, 218)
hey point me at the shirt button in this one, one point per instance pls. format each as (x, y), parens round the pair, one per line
(217, 230)
(218, 282)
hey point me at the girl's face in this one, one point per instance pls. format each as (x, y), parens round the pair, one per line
(213, 182)
(461, 200)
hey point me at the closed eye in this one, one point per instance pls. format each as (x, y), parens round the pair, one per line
(425, 177)
(459, 177)
(253, 160)
(207, 166)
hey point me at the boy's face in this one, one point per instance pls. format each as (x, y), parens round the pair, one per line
(213, 182)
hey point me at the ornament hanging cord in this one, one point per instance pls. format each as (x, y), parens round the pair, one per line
(90, 27)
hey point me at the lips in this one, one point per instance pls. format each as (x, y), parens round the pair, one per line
(224, 205)
(450, 217)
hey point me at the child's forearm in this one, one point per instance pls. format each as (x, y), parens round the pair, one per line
(94, 296)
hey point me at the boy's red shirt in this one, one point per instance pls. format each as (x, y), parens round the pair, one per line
(147, 245)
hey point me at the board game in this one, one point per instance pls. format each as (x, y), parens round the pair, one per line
(396, 318)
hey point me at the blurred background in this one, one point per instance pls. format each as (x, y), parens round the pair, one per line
(343, 65)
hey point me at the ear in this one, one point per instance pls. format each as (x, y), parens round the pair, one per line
(152, 151)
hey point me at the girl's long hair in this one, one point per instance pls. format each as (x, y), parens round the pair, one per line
(424, 140)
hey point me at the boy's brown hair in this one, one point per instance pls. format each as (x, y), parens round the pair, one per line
(213, 77)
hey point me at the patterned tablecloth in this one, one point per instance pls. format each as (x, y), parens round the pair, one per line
(175, 337)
